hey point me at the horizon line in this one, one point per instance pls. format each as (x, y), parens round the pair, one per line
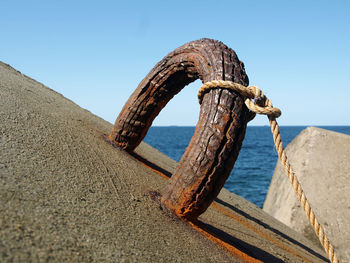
(291, 125)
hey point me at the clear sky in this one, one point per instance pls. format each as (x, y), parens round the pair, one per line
(96, 52)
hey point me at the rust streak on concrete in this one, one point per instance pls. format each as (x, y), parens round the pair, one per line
(259, 232)
(233, 250)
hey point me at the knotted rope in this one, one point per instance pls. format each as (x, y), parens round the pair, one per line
(262, 105)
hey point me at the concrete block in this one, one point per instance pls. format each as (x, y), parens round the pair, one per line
(321, 161)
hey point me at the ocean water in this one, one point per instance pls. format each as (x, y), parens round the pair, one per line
(253, 170)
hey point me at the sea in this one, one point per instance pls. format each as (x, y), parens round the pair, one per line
(256, 162)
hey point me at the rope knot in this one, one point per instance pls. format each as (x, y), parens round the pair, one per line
(255, 100)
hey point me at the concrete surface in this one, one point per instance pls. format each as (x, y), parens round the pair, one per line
(321, 160)
(66, 195)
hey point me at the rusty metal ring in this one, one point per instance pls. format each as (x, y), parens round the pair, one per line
(214, 147)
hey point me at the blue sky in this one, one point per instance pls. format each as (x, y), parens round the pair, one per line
(96, 52)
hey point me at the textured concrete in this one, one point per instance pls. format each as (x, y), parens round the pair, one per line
(66, 195)
(321, 160)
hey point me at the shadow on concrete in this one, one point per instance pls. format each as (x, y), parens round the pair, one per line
(150, 164)
(138, 157)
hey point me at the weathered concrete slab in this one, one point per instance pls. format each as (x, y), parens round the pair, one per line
(68, 196)
(321, 160)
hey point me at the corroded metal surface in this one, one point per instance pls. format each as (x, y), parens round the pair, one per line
(214, 147)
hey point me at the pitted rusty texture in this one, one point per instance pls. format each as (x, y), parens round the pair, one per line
(214, 147)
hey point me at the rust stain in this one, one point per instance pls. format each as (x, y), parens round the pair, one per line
(233, 250)
(260, 233)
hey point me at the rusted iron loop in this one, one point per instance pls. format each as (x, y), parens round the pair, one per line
(214, 147)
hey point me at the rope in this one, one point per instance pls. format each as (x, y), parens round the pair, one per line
(262, 105)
